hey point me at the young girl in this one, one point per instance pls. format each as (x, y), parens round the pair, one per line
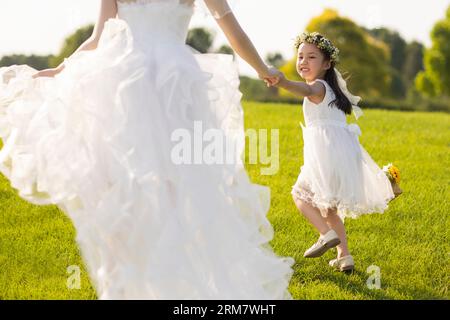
(339, 178)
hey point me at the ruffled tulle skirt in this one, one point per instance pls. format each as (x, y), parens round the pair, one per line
(98, 139)
(338, 173)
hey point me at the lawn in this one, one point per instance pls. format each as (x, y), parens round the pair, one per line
(409, 243)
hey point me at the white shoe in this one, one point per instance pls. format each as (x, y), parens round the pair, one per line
(345, 263)
(327, 241)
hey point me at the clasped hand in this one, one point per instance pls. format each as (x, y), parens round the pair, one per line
(272, 76)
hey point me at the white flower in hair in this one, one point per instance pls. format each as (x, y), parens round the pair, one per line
(321, 42)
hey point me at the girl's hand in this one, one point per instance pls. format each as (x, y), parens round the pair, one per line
(48, 72)
(271, 76)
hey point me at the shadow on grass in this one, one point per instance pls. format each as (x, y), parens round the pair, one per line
(356, 283)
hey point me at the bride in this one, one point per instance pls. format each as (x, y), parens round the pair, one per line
(94, 136)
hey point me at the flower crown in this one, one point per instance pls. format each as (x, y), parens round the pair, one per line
(321, 42)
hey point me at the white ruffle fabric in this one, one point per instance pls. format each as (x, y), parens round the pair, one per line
(338, 173)
(96, 141)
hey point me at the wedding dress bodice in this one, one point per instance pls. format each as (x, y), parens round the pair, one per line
(149, 1)
(218, 8)
(157, 20)
(167, 18)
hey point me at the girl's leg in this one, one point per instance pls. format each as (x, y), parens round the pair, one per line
(313, 215)
(335, 223)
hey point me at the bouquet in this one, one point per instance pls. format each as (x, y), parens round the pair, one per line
(393, 173)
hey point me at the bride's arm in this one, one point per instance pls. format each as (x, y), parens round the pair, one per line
(238, 39)
(108, 9)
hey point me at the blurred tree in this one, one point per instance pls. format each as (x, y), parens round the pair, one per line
(275, 59)
(226, 49)
(413, 62)
(397, 47)
(366, 59)
(200, 39)
(37, 62)
(435, 79)
(253, 89)
(71, 43)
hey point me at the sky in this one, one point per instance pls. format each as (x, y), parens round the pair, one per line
(39, 27)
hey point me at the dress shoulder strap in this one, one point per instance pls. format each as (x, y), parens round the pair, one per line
(324, 82)
(328, 90)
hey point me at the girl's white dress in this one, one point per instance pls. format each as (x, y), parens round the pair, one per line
(337, 171)
(98, 141)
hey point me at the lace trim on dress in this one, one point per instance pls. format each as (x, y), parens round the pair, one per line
(348, 209)
(218, 8)
(187, 2)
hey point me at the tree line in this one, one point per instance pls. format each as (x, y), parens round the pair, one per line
(380, 66)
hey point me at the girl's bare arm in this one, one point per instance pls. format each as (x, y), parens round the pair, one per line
(303, 89)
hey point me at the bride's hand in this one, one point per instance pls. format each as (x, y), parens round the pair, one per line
(48, 72)
(271, 76)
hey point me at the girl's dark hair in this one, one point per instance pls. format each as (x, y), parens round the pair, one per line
(341, 100)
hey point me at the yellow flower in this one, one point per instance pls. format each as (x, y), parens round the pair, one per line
(392, 172)
(395, 172)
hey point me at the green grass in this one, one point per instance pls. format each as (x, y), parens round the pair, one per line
(409, 242)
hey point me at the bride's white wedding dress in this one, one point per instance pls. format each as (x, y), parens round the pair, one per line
(96, 141)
